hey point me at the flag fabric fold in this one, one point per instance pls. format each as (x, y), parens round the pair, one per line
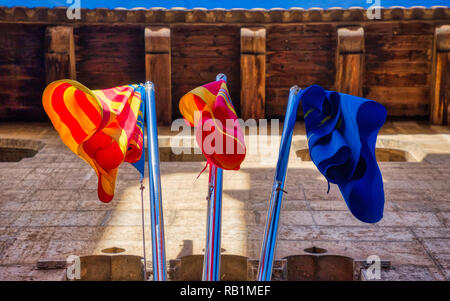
(342, 131)
(139, 133)
(103, 127)
(209, 109)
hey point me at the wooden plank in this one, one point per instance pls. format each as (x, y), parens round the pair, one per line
(301, 54)
(378, 42)
(397, 66)
(296, 42)
(303, 68)
(448, 89)
(307, 29)
(22, 72)
(197, 60)
(110, 55)
(158, 70)
(350, 60)
(439, 96)
(399, 56)
(303, 79)
(291, 58)
(401, 101)
(276, 107)
(253, 40)
(400, 78)
(404, 95)
(253, 86)
(349, 76)
(157, 39)
(350, 40)
(399, 28)
(60, 53)
(253, 73)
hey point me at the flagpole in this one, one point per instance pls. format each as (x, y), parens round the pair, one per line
(143, 228)
(154, 179)
(211, 261)
(273, 214)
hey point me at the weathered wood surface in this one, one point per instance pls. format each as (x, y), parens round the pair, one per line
(199, 53)
(59, 53)
(350, 61)
(398, 59)
(253, 40)
(253, 73)
(398, 66)
(22, 72)
(300, 55)
(349, 74)
(109, 56)
(158, 70)
(439, 102)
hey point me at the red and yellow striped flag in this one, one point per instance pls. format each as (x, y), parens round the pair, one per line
(215, 114)
(100, 126)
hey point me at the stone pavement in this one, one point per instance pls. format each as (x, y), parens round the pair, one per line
(49, 207)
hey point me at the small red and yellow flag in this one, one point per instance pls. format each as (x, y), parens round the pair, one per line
(100, 126)
(210, 110)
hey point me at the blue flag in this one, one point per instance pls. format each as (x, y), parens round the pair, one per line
(140, 165)
(342, 132)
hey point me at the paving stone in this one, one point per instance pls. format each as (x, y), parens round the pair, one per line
(8, 232)
(14, 174)
(83, 218)
(71, 233)
(441, 194)
(437, 245)
(295, 218)
(125, 233)
(6, 205)
(333, 233)
(49, 208)
(5, 244)
(8, 217)
(47, 275)
(432, 232)
(320, 193)
(128, 218)
(447, 274)
(18, 195)
(55, 195)
(35, 233)
(407, 273)
(61, 249)
(411, 219)
(16, 272)
(335, 218)
(49, 205)
(23, 252)
(438, 273)
(421, 206)
(39, 218)
(443, 260)
(95, 204)
(340, 205)
(445, 218)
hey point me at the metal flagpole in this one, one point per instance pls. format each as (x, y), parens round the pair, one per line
(273, 214)
(211, 261)
(154, 179)
(143, 228)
